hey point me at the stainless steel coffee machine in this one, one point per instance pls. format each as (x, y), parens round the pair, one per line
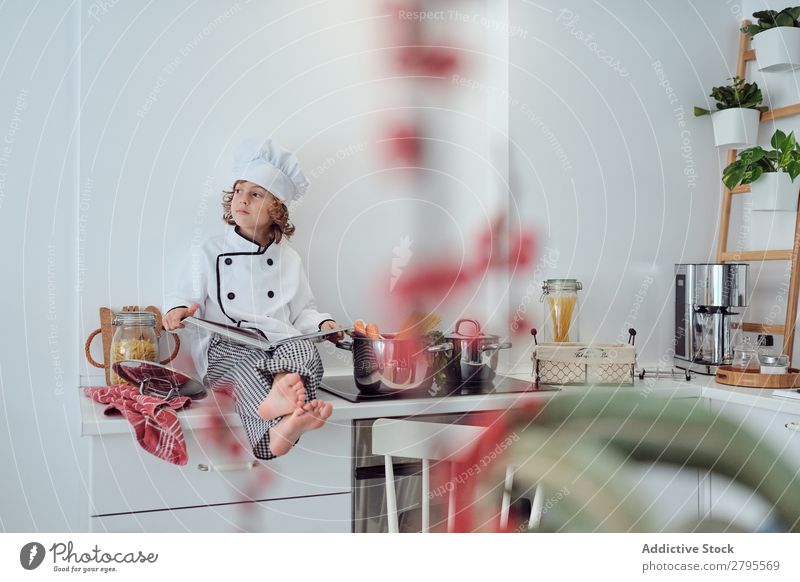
(707, 297)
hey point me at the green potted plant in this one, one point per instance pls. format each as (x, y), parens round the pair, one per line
(770, 173)
(738, 111)
(776, 39)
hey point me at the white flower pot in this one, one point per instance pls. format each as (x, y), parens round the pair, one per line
(774, 191)
(769, 231)
(736, 128)
(778, 49)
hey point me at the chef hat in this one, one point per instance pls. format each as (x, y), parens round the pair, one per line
(270, 166)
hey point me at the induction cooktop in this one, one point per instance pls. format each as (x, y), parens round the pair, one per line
(345, 387)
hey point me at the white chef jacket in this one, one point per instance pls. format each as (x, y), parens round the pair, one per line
(238, 282)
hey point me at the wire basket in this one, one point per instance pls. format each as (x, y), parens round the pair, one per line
(575, 363)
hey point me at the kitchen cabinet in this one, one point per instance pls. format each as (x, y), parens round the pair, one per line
(131, 490)
(672, 492)
(312, 489)
(732, 501)
(315, 514)
(127, 480)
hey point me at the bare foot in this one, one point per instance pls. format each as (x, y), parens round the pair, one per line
(287, 394)
(311, 416)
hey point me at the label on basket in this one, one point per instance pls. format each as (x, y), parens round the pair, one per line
(585, 354)
(591, 353)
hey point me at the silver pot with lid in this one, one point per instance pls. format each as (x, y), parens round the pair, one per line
(392, 363)
(474, 356)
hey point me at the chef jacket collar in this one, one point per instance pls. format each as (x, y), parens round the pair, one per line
(240, 242)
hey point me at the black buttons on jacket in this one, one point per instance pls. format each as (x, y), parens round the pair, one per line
(231, 295)
(270, 294)
(269, 262)
(228, 261)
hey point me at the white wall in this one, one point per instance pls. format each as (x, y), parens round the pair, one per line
(620, 181)
(42, 455)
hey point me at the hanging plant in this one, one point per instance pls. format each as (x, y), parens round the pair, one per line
(737, 114)
(754, 162)
(776, 39)
(770, 173)
(768, 19)
(737, 95)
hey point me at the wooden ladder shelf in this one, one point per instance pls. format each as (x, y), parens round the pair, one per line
(787, 330)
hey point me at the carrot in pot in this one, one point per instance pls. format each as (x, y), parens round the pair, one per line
(359, 328)
(372, 331)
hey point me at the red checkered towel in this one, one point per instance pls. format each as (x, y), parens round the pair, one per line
(154, 419)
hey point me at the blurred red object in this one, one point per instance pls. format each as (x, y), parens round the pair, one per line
(494, 439)
(430, 61)
(405, 145)
(437, 279)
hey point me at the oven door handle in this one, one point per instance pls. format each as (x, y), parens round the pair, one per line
(379, 471)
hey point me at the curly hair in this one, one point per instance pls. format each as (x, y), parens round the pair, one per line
(278, 212)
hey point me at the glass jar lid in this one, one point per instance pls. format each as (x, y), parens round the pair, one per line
(780, 360)
(139, 318)
(561, 285)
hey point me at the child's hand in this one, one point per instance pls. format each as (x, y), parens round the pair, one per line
(172, 320)
(335, 337)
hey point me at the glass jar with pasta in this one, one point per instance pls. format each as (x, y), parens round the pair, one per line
(560, 298)
(134, 339)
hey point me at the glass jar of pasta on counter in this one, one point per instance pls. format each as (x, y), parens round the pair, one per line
(560, 298)
(134, 339)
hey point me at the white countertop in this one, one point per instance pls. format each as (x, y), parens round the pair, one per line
(204, 413)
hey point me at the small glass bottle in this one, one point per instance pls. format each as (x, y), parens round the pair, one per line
(134, 339)
(560, 298)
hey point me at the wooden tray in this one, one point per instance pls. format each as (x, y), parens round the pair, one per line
(736, 377)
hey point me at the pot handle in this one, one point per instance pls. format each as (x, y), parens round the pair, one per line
(445, 347)
(345, 345)
(492, 347)
(472, 321)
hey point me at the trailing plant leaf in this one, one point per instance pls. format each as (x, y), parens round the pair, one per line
(737, 95)
(793, 169)
(754, 174)
(771, 18)
(733, 175)
(753, 155)
(777, 139)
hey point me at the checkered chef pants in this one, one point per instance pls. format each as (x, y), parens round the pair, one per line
(251, 372)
